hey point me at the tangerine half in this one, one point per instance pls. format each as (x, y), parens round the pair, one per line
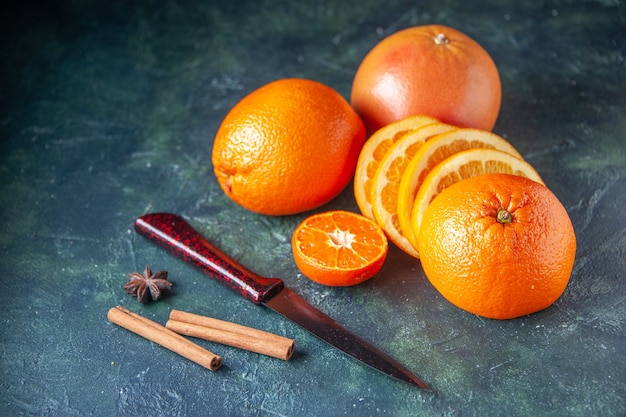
(339, 248)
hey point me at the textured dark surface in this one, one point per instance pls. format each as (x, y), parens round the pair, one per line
(108, 110)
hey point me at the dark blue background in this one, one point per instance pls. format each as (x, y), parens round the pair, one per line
(108, 110)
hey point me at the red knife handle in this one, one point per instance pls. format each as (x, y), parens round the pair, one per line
(173, 233)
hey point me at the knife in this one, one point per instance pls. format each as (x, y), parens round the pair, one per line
(176, 235)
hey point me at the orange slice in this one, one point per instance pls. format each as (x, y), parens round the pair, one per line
(464, 165)
(386, 181)
(374, 151)
(339, 248)
(434, 151)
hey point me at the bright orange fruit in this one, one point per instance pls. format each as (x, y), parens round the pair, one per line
(339, 248)
(497, 245)
(463, 165)
(374, 151)
(432, 153)
(386, 182)
(288, 147)
(433, 70)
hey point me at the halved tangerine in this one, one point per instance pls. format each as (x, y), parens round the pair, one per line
(339, 248)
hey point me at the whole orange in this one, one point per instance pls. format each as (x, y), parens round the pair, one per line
(498, 245)
(433, 70)
(288, 147)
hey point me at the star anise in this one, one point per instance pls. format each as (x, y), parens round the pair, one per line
(147, 286)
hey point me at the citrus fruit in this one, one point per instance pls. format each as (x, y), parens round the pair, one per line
(500, 246)
(427, 157)
(460, 166)
(434, 70)
(339, 248)
(386, 181)
(374, 151)
(287, 147)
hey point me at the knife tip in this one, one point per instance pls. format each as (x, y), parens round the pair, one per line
(411, 379)
(421, 384)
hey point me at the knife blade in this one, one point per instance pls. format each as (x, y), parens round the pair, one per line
(178, 237)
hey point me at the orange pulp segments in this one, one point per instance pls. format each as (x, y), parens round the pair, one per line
(339, 248)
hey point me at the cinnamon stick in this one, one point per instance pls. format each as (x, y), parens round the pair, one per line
(231, 334)
(163, 337)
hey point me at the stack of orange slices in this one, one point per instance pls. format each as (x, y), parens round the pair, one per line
(406, 164)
